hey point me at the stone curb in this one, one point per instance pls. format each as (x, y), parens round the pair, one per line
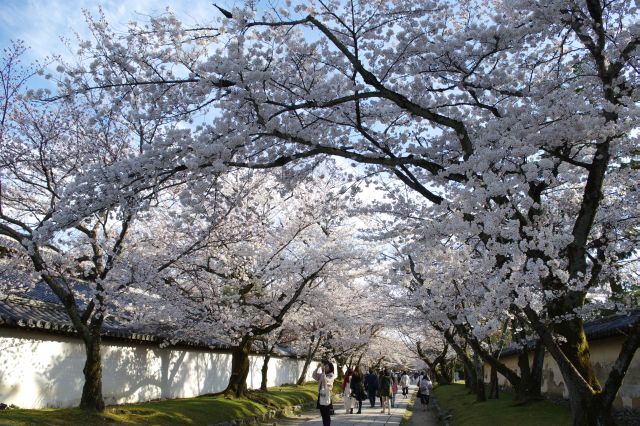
(269, 415)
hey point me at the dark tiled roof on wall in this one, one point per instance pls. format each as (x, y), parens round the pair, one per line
(39, 309)
(602, 328)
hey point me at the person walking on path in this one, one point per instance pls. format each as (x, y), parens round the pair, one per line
(404, 384)
(394, 390)
(372, 387)
(424, 390)
(385, 390)
(346, 392)
(324, 375)
(368, 417)
(357, 388)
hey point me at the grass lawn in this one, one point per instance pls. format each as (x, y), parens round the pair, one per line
(456, 400)
(204, 410)
(409, 411)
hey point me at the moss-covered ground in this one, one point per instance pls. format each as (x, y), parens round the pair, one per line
(205, 410)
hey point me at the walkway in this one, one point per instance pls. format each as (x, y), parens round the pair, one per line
(369, 416)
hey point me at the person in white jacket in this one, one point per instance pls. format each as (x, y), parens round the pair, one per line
(324, 375)
(404, 384)
(346, 392)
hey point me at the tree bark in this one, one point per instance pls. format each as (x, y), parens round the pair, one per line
(514, 379)
(536, 371)
(264, 371)
(438, 366)
(575, 345)
(528, 387)
(339, 365)
(311, 352)
(494, 386)
(92, 390)
(239, 367)
(589, 406)
(441, 373)
(468, 377)
(481, 395)
(471, 379)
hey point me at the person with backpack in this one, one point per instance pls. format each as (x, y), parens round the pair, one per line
(424, 390)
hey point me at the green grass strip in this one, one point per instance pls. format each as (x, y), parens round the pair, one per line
(204, 410)
(456, 400)
(408, 412)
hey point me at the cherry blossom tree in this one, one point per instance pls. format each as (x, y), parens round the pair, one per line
(254, 265)
(44, 148)
(352, 318)
(429, 345)
(514, 120)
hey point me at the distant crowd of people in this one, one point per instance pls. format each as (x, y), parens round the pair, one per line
(358, 386)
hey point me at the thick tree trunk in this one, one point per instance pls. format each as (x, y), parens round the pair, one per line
(438, 366)
(442, 376)
(239, 367)
(528, 388)
(589, 411)
(494, 386)
(264, 371)
(481, 395)
(576, 349)
(535, 378)
(447, 371)
(514, 379)
(92, 390)
(468, 378)
(590, 407)
(439, 370)
(471, 378)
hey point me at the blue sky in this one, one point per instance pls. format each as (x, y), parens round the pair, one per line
(41, 23)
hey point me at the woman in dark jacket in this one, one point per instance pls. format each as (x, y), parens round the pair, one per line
(357, 388)
(386, 383)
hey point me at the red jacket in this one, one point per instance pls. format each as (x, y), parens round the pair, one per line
(346, 379)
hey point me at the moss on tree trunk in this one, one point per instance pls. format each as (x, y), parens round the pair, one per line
(92, 390)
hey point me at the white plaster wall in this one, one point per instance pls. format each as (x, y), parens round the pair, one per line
(40, 370)
(603, 352)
